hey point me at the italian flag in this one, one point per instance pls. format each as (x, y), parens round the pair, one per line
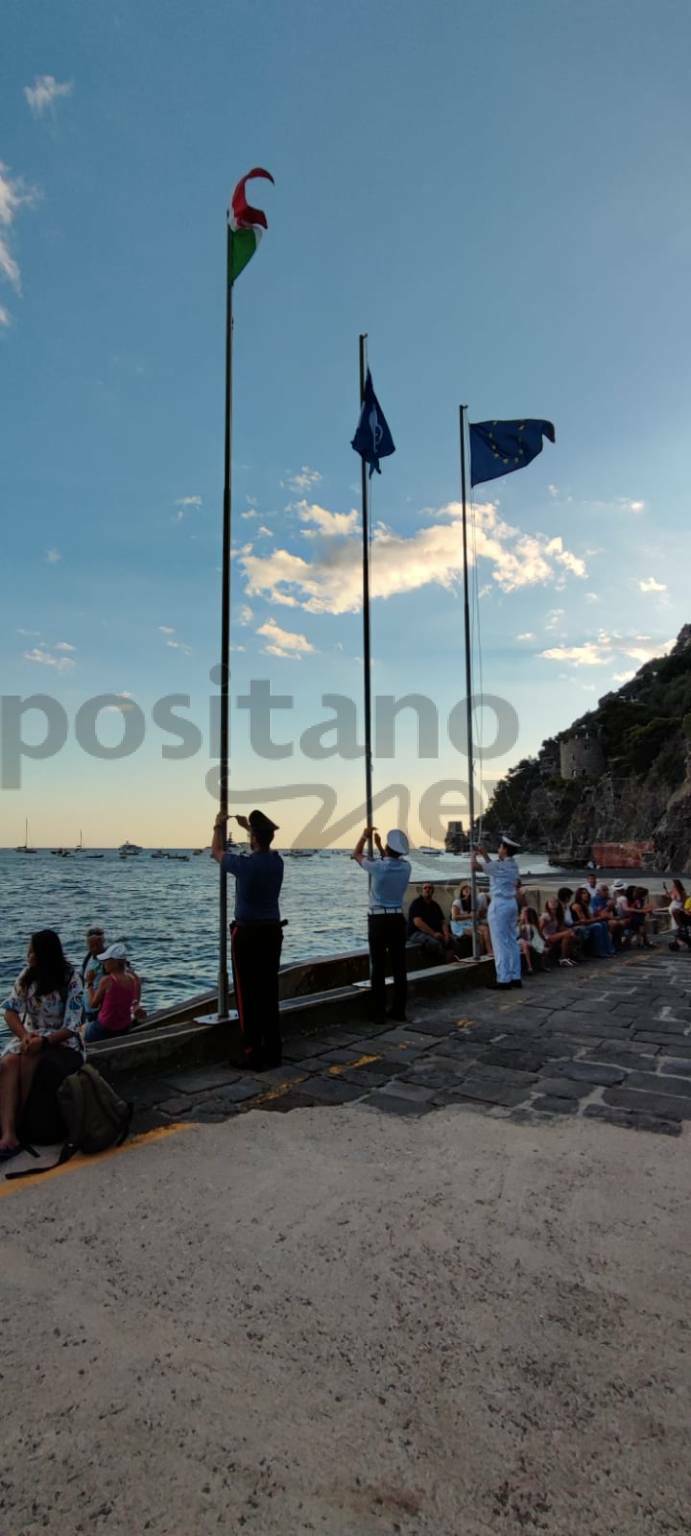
(247, 225)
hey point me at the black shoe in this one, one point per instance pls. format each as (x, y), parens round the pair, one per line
(515, 983)
(400, 1018)
(272, 1059)
(254, 1061)
(502, 986)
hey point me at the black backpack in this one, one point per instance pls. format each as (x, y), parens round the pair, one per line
(93, 1117)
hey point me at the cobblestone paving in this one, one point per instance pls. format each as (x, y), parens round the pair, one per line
(609, 1041)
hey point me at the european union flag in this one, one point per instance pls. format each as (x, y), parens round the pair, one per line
(372, 440)
(499, 447)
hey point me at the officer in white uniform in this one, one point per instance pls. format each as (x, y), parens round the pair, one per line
(503, 877)
(389, 876)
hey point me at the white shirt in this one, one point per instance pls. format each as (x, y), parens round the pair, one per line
(389, 881)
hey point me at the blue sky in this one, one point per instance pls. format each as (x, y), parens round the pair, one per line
(499, 197)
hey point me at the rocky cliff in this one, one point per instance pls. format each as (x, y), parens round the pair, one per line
(641, 736)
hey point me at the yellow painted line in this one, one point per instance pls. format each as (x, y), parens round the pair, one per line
(343, 1066)
(273, 1093)
(81, 1160)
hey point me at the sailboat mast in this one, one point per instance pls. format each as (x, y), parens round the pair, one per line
(468, 675)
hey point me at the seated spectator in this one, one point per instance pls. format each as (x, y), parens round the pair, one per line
(679, 916)
(565, 896)
(594, 932)
(558, 935)
(531, 943)
(461, 923)
(631, 915)
(92, 971)
(43, 1012)
(115, 998)
(643, 904)
(602, 906)
(428, 928)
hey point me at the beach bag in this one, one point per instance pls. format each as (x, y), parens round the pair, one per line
(94, 1118)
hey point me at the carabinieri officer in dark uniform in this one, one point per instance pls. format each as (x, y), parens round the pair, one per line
(256, 937)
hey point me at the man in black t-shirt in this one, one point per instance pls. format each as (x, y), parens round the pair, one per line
(428, 928)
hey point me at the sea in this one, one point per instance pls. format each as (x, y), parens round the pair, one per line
(166, 910)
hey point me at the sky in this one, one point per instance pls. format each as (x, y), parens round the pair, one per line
(498, 196)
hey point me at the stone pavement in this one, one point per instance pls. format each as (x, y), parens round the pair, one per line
(610, 1040)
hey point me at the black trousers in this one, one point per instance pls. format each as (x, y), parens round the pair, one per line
(256, 954)
(387, 936)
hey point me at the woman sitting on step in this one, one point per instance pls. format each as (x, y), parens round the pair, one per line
(44, 1014)
(594, 932)
(559, 938)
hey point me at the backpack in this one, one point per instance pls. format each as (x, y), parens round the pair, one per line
(93, 1116)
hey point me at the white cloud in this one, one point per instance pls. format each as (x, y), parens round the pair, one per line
(591, 597)
(303, 480)
(284, 642)
(602, 651)
(174, 645)
(250, 514)
(263, 532)
(331, 524)
(632, 506)
(53, 556)
(246, 614)
(64, 645)
(623, 677)
(44, 658)
(32, 634)
(588, 655)
(553, 618)
(125, 703)
(649, 584)
(185, 504)
(13, 196)
(44, 93)
(553, 490)
(331, 581)
(5, 317)
(527, 636)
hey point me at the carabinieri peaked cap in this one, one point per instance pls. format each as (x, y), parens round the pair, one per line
(261, 823)
(509, 842)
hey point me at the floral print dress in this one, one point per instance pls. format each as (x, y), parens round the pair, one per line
(44, 1015)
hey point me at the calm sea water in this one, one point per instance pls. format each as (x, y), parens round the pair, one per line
(166, 912)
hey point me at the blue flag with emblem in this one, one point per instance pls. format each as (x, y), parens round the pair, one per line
(499, 447)
(372, 440)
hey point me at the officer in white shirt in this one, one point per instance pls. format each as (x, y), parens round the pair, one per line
(503, 910)
(389, 876)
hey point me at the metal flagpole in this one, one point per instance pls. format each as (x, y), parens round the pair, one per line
(365, 608)
(468, 676)
(224, 744)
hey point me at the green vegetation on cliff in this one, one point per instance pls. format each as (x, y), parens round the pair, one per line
(644, 732)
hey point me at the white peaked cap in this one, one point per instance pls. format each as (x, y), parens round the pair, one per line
(397, 841)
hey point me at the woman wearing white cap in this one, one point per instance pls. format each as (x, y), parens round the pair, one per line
(503, 909)
(113, 999)
(389, 876)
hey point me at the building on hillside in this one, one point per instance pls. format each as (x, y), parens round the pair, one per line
(456, 840)
(581, 755)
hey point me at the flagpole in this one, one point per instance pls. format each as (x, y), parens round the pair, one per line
(366, 651)
(468, 677)
(223, 984)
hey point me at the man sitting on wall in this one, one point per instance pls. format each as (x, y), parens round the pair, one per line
(428, 928)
